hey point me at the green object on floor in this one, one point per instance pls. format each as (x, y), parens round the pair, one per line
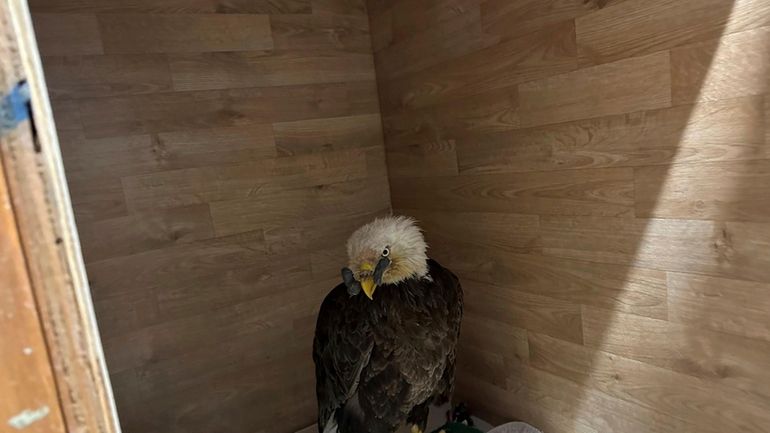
(456, 427)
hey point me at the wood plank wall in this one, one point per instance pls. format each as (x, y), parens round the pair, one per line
(26, 377)
(218, 154)
(598, 174)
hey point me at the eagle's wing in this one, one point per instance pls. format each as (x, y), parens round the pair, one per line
(341, 350)
(453, 293)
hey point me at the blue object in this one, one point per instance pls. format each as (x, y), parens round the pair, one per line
(15, 107)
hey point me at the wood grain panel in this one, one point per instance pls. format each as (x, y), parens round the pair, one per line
(173, 6)
(342, 7)
(513, 139)
(67, 34)
(245, 283)
(165, 378)
(541, 412)
(572, 192)
(113, 157)
(541, 54)
(632, 290)
(195, 278)
(456, 36)
(412, 19)
(287, 237)
(321, 32)
(505, 19)
(488, 367)
(194, 297)
(95, 76)
(481, 229)
(341, 199)
(123, 120)
(67, 117)
(728, 360)
(377, 7)
(265, 378)
(491, 336)
(174, 338)
(97, 198)
(561, 155)
(136, 233)
(265, 68)
(585, 409)
(218, 154)
(246, 181)
(170, 33)
(487, 112)
(713, 131)
(123, 312)
(263, 371)
(687, 398)
(382, 30)
(139, 154)
(597, 410)
(422, 142)
(729, 306)
(315, 135)
(732, 66)
(524, 310)
(634, 84)
(729, 249)
(767, 119)
(192, 148)
(165, 112)
(116, 275)
(636, 28)
(436, 158)
(737, 190)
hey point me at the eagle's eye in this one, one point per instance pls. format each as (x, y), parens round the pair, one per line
(386, 252)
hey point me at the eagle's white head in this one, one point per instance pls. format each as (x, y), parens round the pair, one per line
(385, 251)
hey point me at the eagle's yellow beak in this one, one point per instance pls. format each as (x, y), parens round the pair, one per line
(368, 285)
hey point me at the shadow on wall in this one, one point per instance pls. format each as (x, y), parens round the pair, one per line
(602, 189)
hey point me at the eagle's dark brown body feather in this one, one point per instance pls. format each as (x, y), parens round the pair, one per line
(381, 362)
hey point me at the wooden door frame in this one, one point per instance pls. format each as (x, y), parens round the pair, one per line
(46, 225)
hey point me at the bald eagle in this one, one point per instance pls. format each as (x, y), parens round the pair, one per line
(385, 338)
